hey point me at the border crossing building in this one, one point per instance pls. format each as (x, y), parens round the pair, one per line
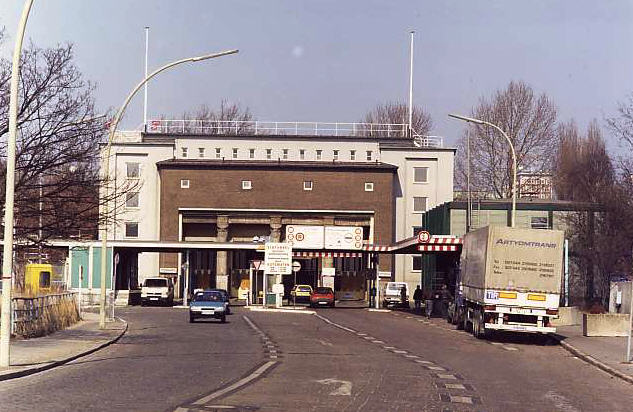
(227, 186)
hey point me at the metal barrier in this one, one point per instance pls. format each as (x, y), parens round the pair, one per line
(28, 311)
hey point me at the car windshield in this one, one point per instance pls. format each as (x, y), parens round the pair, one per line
(208, 297)
(304, 288)
(155, 283)
(323, 290)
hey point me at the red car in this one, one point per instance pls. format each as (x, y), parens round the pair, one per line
(322, 297)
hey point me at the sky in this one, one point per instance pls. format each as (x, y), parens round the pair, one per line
(333, 60)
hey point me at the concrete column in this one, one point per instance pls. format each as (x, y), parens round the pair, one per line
(275, 228)
(221, 274)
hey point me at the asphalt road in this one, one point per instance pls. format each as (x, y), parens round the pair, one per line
(339, 360)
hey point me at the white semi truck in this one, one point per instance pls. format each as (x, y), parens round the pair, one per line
(510, 279)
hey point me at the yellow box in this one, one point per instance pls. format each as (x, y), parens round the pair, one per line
(508, 295)
(38, 277)
(540, 298)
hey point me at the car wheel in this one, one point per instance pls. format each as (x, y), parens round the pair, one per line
(332, 305)
(223, 319)
(191, 319)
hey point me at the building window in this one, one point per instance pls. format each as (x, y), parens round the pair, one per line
(131, 199)
(285, 154)
(247, 185)
(251, 153)
(335, 154)
(184, 151)
(318, 154)
(539, 222)
(420, 174)
(419, 204)
(235, 153)
(269, 153)
(352, 155)
(133, 170)
(302, 154)
(369, 186)
(201, 151)
(369, 155)
(307, 185)
(417, 263)
(218, 153)
(184, 183)
(131, 229)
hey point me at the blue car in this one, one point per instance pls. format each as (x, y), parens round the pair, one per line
(208, 304)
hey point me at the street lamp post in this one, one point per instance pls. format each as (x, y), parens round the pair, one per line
(106, 157)
(514, 160)
(7, 252)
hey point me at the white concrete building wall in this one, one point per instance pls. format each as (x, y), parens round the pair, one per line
(226, 144)
(437, 189)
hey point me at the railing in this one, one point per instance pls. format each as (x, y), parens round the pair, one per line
(37, 316)
(270, 128)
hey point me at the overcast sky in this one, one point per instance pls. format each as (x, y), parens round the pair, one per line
(332, 60)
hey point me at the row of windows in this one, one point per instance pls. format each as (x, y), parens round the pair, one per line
(184, 151)
(248, 185)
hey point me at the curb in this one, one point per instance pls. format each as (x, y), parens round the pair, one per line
(51, 365)
(591, 360)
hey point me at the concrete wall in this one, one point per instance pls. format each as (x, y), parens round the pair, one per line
(568, 316)
(607, 324)
(438, 189)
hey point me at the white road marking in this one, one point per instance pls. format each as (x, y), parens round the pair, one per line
(436, 368)
(400, 351)
(461, 399)
(560, 402)
(446, 376)
(510, 348)
(324, 342)
(361, 334)
(411, 356)
(388, 347)
(377, 341)
(454, 386)
(425, 362)
(344, 388)
(237, 384)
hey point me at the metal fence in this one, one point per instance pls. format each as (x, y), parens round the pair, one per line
(256, 127)
(35, 316)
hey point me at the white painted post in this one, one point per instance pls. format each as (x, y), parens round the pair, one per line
(566, 272)
(250, 284)
(628, 343)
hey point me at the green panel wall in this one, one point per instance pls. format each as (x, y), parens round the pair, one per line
(79, 258)
(96, 267)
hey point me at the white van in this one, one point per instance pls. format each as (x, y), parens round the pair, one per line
(392, 295)
(157, 290)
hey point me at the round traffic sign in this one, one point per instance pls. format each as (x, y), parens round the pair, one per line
(424, 236)
(296, 266)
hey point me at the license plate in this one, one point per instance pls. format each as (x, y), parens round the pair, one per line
(208, 312)
(322, 303)
(153, 298)
(521, 311)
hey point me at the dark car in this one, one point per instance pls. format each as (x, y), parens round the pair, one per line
(227, 299)
(322, 296)
(207, 304)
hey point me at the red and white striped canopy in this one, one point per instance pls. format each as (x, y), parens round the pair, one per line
(326, 254)
(437, 248)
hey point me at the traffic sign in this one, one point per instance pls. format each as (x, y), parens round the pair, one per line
(296, 266)
(257, 264)
(278, 258)
(424, 237)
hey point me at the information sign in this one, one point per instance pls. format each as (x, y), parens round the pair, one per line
(278, 258)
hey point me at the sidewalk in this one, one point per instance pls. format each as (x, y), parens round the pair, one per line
(38, 354)
(606, 353)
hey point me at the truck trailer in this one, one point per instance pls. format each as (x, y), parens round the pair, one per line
(509, 279)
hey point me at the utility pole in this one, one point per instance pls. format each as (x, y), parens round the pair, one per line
(145, 91)
(411, 86)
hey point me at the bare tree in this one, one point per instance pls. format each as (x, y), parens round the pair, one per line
(396, 114)
(57, 164)
(228, 119)
(529, 121)
(600, 236)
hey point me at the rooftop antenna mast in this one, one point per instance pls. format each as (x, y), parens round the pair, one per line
(145, 89)
(412, 32)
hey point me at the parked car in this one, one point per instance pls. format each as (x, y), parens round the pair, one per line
(302, 293)
(392, 295)
(322, 296)
(157, 290)
(208, 304)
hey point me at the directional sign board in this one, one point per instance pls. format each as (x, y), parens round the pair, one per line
(305, 237)
(343, 237)
(278, 258)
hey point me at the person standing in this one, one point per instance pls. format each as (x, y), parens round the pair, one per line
(428, 303)
(403, 297)
(417, 297)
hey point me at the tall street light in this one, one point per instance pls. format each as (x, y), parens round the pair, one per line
(514, 160)
(113, 126)
(7, 252)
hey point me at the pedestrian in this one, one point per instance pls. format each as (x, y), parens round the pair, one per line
(417, 297)
(403, 297)
(445, 296)
(428, 303)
